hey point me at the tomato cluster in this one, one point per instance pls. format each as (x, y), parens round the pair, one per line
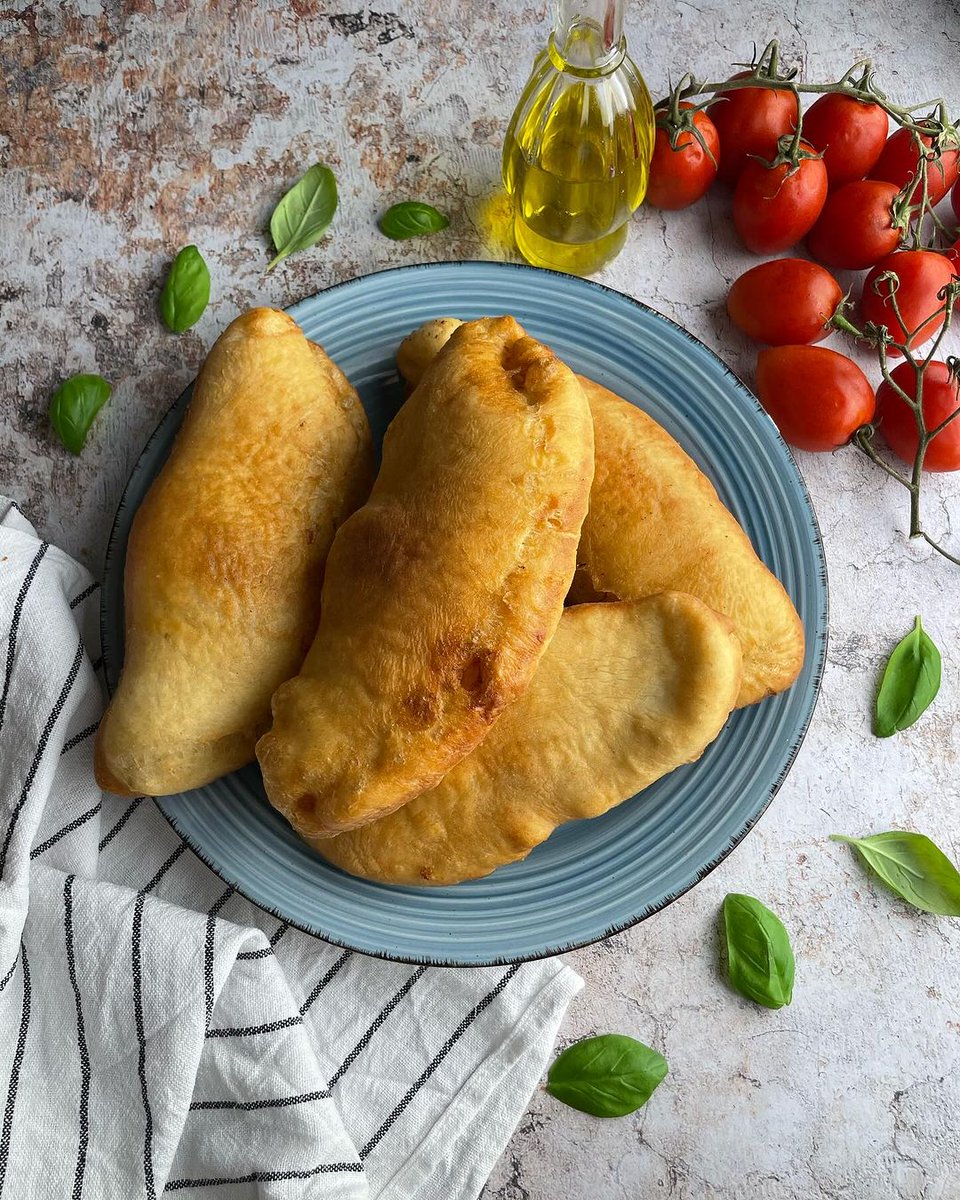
(846, 188)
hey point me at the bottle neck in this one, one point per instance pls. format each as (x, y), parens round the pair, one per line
(588, 35)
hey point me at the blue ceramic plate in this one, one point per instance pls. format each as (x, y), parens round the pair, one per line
(592, 878)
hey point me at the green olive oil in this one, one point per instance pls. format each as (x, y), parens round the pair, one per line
(577, 152)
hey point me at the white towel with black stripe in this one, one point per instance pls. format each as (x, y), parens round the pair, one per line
(160, 1034)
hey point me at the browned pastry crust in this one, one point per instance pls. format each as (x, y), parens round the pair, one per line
(656, 523)
(624, 693)
(443, 590)
(225, 559)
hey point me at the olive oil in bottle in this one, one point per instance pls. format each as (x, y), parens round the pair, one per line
(577, 153)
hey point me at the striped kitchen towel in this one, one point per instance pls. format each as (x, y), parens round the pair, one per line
(160, 1034)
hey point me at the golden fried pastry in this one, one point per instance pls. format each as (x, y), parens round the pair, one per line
(625, 692)
(418, 350)
(226, 556)
(656, 523)
(443, 590)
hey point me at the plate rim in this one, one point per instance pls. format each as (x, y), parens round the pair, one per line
(819, 648)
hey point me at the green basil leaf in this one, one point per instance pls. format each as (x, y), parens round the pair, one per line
(187, 291)
(760, 961)
(304, 214)
(606, 1076)
(411, 219)
(913, 866)
(910, 682)
(74, 405)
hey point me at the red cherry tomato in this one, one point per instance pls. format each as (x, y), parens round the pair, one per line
(851, 135)
(751, 121)
(785, 302)
(855, 229)
(899, 162)
(680, 177)
(954, 255)
(921, 275)
(774, 207)
(955, 199)
(817, 397)
(941, 397)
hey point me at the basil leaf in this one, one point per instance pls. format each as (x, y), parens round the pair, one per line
(304, 214)
(760, 961)
(911, 680)
(606, 1076)
(74, 405)
(411, 219)
(914, 867)
(187, 291)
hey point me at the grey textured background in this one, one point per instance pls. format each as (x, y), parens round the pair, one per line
(130, 128)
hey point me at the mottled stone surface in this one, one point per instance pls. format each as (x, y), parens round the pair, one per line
(129, 129)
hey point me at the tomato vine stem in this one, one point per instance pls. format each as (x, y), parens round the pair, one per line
(880, 337)
(859, 83)
(765, 72)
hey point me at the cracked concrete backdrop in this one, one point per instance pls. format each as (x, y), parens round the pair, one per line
(131, 127)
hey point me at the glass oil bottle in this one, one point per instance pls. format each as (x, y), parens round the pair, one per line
(577, 153)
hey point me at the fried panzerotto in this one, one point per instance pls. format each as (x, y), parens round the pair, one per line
(625, 693)
(226, 556)
(656, 523)
(442, 592)
(417, 351)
